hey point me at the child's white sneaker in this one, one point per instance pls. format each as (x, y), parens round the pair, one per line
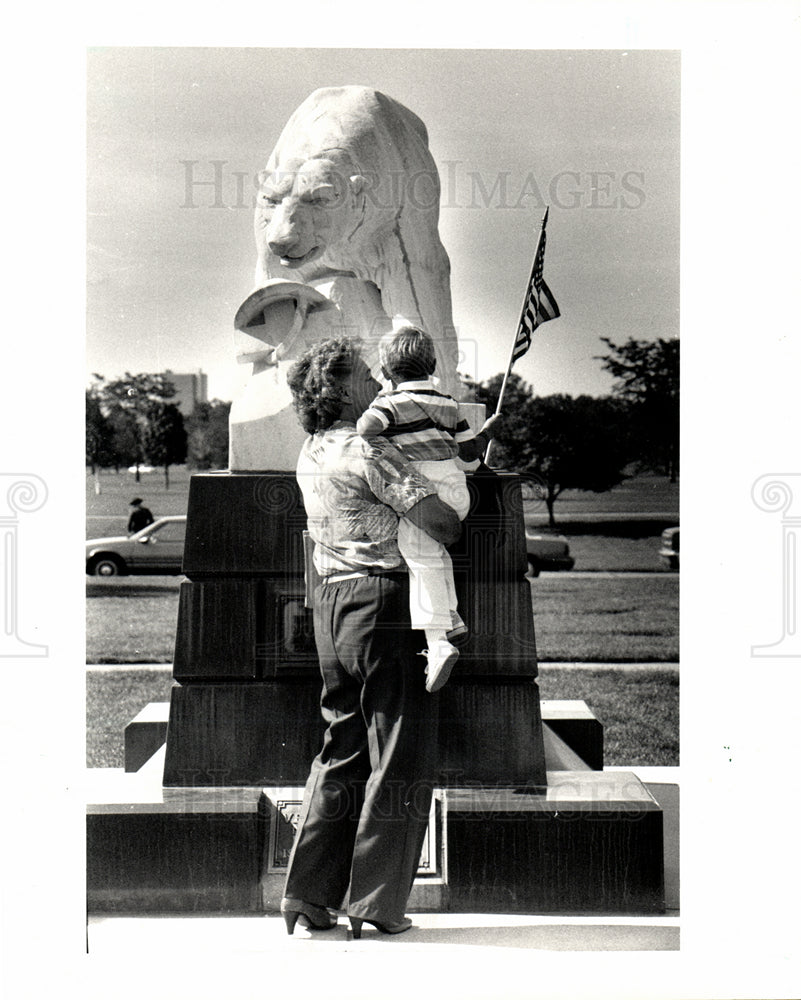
(441, 657)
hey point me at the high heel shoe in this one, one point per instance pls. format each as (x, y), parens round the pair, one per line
(398, 928)
(315, 917)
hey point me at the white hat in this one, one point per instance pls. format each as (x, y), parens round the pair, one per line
(275, 290)
(264, 338)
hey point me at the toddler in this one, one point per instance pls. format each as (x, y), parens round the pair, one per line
(426, 427)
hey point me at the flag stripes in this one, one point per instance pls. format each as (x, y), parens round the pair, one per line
(540, 305)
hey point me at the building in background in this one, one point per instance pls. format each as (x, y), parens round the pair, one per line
(190, 389)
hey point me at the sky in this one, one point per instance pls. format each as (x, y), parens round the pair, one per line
(176, 136)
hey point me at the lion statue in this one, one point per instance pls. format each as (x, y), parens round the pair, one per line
(351, 189)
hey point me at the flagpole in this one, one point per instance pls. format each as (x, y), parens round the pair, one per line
(514, 339)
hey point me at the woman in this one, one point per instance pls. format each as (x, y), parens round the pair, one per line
(367, 800)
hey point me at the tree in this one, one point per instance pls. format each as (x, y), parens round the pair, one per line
(134, 403)
(562, 442)
(164, 437)
(99, 433)
(124, 439)
(647, 374)
(207, 435)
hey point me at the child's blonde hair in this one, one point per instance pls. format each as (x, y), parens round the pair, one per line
(407, 354)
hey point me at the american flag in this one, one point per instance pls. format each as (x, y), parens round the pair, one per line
(540, 305)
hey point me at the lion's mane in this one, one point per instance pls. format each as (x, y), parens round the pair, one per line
(395, 243)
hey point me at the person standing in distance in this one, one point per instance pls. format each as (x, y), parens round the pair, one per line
(140, 516)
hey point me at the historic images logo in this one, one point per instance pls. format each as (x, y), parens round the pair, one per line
(782, 492)
(24, 493)
(215, 184)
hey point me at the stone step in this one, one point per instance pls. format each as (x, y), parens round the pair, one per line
(593, 843)
(589, 842)
(572, 721)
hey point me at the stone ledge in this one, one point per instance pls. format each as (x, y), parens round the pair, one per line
(589, 842)
(579, 742)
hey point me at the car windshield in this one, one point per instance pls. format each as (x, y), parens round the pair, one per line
(170, 531)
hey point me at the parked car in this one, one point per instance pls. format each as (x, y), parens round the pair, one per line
(158, 548)
(549, 552)
(669, 552)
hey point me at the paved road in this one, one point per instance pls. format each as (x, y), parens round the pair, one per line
(543, 667)
(531, 514)
(120, 585)
(601, 574)
(98, 523)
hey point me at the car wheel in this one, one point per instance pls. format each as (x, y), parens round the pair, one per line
(107, 566)
(533, 567)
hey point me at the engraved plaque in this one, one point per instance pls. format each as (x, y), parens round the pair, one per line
(284, 824)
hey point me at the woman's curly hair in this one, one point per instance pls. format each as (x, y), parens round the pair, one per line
(317, 382)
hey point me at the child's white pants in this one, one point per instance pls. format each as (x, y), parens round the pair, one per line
(432, 596)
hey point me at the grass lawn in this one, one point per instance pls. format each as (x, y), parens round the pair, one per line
(623, 555)
(107, 512)
(113, 699)
(603, 619)
(643, 494)
(606, 619)
(132, 629)
(639, 709)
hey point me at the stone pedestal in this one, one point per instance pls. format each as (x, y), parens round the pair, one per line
(145, 734)
(173, 851)
(572, 736)
(521, 822)
(268, 732)
(574, 722)
(594, 843)
(247, 708)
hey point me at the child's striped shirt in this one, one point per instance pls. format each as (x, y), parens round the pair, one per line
(423, 424)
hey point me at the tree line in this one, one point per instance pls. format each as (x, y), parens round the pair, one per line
(563, 443)
(131, 422)
(559, 442)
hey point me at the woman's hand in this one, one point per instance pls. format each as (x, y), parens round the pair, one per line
(437, 519)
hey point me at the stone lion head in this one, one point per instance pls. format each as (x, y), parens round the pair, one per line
(351, 188)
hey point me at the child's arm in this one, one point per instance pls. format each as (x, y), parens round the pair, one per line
(474, 447)
(371, 423)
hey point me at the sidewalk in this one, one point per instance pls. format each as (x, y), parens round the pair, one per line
(464, 956)
(447, 936)
(449, 933)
